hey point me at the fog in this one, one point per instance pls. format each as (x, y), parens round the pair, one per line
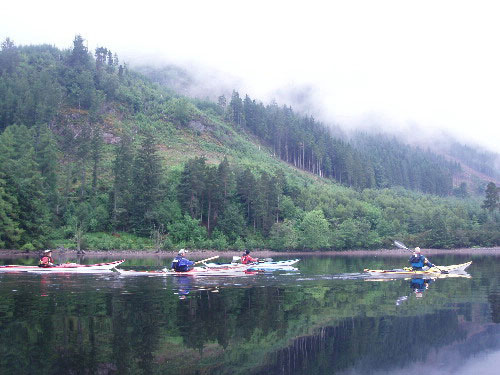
(415, 68)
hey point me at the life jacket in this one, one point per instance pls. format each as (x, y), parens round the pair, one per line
(46, 261)
(417, 261)
(181, 264)
(246, 258)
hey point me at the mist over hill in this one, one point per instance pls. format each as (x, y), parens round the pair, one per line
(202, 83)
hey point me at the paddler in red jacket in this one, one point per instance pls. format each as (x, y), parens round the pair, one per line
(46, 259)
(246, 258)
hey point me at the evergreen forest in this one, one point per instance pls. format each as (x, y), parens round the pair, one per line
(94, 155)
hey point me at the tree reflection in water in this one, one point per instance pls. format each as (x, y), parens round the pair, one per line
(84, 324)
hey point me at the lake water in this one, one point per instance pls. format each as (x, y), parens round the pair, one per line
(327, 318)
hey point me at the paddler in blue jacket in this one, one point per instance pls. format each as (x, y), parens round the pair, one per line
(181, 264)
(418, 261)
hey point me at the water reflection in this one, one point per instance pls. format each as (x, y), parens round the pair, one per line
(314, 322)
(419, 285)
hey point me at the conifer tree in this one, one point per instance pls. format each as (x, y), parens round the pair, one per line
(146, 190)
(79, 57)
(236, 107)
(193, 186)
(491, 200)
(122, 196)
(10, 233)
(46, 159)
(9, 56)
(246, 190)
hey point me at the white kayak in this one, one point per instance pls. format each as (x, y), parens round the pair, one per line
(280, 265)
(220, 270)
(215, 269)
(66, 267)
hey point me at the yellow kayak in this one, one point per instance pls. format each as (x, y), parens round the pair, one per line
(436, 270)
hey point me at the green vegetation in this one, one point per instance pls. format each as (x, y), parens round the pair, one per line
(89, 148)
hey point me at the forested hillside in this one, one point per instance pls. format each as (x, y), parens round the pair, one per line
(95, 155)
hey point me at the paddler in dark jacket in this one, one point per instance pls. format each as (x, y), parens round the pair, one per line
(181, 264)
(246, 258)
(46, 259)
(418, 261)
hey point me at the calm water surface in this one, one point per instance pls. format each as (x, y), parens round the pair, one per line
(327, 318)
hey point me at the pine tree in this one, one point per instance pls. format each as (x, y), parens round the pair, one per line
(79, 57)
(96, 145)
(9, 56)
(10, 233)
(246, 191)
(122, 196)
(222, 102)
(236, 105)
(46, 159)
(193, 186)
(213, 197)
(146, 188)
(491, 200)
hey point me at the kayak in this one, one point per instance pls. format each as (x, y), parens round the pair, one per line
(268, 265)
(67, 267)
(280, 265)
(195, 271)
(436, 270)
(225, 269)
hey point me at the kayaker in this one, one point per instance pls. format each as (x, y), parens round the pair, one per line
(180, 263)
(418, 261)
(246, 258)
(46, 259)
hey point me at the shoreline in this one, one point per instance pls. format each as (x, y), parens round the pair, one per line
(201, 254)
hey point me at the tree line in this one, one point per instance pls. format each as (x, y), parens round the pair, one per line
(365, 162)
(222, 206)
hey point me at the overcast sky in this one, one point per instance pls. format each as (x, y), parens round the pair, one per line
(432, 64)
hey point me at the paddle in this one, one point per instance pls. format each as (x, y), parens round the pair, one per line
(204, 260)
(403, 246)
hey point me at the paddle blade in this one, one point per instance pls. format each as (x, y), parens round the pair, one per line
(400, 245)
(205, 260)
